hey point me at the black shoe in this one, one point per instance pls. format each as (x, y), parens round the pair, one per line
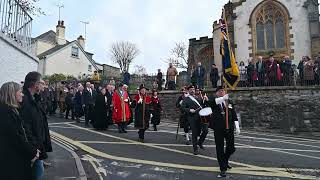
(222, 174)
(229, 166)
(124, 131)
(187, 142)
(141, 140)
(155, 129)
(201, 146)
(196, 152)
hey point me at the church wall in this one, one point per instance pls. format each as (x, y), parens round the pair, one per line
(299, 29)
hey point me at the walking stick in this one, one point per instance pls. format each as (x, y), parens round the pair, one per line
(178, 129)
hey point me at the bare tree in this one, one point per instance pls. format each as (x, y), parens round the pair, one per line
(140, 70)
(179, 56)
(123, 54)
(30, 7)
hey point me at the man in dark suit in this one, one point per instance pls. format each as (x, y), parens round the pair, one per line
(223, 127)
(88, 102)
(200, 75)
(191, 106)
(109, 95)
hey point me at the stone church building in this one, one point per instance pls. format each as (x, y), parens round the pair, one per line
(265, 27)
(261, 28)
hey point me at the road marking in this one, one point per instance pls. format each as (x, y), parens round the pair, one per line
(60, 123)
(259, 171)
(280, 136)
(62, 127)
(91, 160)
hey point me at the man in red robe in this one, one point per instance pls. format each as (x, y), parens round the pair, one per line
(121, 110)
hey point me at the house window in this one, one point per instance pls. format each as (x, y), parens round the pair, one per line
(75, 52)
(270, 28)
(90, 68)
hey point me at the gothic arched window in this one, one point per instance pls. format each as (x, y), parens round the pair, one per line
(269, 24)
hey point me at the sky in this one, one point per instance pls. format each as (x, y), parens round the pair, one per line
(153, 25)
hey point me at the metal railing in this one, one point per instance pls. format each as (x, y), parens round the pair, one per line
(15, 23)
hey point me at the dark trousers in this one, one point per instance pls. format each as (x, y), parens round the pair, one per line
(214, 84)
(68, 109)
(54, 107)
(260, 79)
(171, 85)
(122, 126)
(141, 133)
(88, 110)
(223, 155)
(198, 129)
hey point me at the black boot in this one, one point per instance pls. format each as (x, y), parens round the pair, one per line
(155, 128)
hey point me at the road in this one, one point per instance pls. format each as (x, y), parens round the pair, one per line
(108, 155)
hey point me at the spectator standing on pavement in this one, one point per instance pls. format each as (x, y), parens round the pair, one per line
(200, 75)
(78, 103)
(301, 69)
(70, 104)
(214, 76)
(171, 77)
(243, 74)
(250, 72)
(159, 80)
(261, 70)
(287, 71)
(35, 121)
(272, 71)
(88, 103)
(308, 71)
(17, 154)
(126, 77)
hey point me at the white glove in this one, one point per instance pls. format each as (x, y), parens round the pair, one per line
(181, 102)
(140, 100)
(219, 100)
(192, 110)
(236, 123)
(151, 115)
(126, 100)
(226, 97)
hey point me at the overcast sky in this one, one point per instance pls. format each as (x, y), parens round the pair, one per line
(154, 25)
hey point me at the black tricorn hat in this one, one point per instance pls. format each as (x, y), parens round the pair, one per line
(119, 84)
(219, 88)
(142, 86)
(190, 86)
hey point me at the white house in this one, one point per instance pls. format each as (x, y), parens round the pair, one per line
(57, 55)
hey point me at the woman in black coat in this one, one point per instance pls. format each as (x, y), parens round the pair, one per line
(100, 111)
(17, 154)
(155, 109)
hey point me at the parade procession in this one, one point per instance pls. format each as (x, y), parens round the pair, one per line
(119, 89)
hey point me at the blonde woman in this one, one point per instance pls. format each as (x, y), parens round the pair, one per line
(17, 154)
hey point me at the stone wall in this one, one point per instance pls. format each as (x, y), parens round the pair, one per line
(288, 109)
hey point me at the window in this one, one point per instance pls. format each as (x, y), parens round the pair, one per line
(270, 28)
(75, 52)
(90, 68)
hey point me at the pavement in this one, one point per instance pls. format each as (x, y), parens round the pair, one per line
(108, 155)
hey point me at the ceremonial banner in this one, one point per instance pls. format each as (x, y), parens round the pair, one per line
(231, 74)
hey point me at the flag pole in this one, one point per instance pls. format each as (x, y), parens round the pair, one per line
(225, 83)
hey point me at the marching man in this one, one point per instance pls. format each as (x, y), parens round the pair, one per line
(223, 123)
(121, 110)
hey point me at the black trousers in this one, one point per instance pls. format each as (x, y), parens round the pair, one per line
(88, 111)
(68, 109)
(223, 155)
(198, 129)
(141, 133)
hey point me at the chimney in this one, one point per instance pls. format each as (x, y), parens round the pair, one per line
(81, 41)
(60, 33)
